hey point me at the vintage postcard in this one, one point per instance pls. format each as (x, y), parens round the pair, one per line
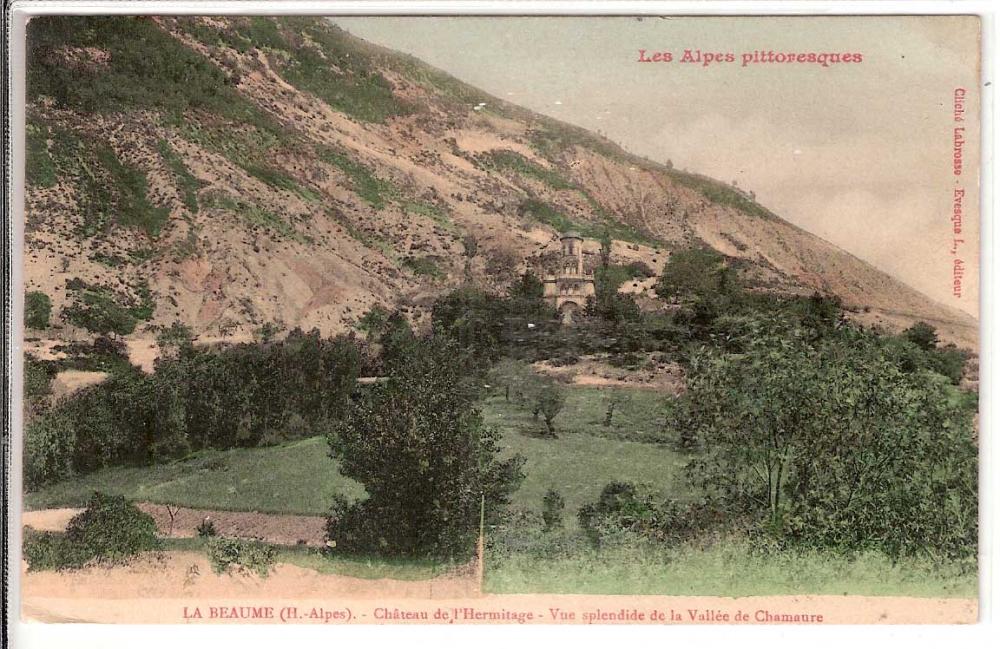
(498, 320)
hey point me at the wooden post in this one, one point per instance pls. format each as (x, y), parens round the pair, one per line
(480, 550)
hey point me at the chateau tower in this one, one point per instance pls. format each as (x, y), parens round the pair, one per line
(569, 289)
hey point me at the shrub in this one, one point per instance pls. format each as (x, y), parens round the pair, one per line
(101, 310)
(38, 377)
(922, 335)
(552, 510)
(112, 529)
(109, 530)
(245, 557)
(49, 443)
(948, 361)
(206, 528)
(46, 551)
(425, 266)
(625, 510)
(37, 310)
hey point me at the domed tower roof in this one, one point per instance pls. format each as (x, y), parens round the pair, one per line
(571, 234)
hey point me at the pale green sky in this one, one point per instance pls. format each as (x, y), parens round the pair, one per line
(859, 154)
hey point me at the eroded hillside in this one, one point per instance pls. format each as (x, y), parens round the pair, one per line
(233, 173)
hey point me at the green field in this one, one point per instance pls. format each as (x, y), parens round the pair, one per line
(300, 478)
(295, 478)
(586, 455)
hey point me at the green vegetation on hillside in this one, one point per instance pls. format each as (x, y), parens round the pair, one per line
(545, 213)
(116, 192)
(424, 266)
(364, 183)
(37, 309)
(721, 193)
(112, 69)
(254, 216)
(39, 168)
(506, 160)
(187, 183)
(102, 310)
(323, 65)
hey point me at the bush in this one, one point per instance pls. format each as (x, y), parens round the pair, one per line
(948, 361)
(49, 445)
(245, 557)
(206, 528)
(110, 530)
(625, 511)
(922, 335)
(552, 510)
(47, 551)
(37, 310)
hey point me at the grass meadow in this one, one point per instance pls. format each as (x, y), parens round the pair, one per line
(729, 568)
(300, 478)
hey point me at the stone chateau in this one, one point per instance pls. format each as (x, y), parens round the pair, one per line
(568, 289)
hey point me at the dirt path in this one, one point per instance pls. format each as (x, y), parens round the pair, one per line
(177, 574)
(283, 529)
(160, 587)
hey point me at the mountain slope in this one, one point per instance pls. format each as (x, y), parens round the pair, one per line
(281, 171)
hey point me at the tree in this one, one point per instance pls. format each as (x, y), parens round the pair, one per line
(419, 446)
(372, 322)
(605, 240)
(831, 443)
(37, 310)
(470, 248)
(472, 318)
(396, 338)
(616, 398)
(527, 287)
(515, 377)
(922, 335)
(691, 274)
(549, 401)
(608, 303)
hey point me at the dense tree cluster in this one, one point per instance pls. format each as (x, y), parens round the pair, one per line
(832, 441)
(239, 396)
